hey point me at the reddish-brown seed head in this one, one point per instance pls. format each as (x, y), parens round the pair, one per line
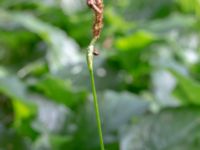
(97, 6)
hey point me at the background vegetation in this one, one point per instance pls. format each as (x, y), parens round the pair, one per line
(148, 75)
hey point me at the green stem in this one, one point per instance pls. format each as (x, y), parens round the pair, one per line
(96, 106)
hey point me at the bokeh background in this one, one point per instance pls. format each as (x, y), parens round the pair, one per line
(147, 75)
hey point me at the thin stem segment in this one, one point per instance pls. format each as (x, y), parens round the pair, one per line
(96, 106)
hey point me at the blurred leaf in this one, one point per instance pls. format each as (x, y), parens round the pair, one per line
(188, 90)
(13, 87)
(119, 25)
(144, 10)
(173, 22)
(137, 40)
(60, 91)
(11, 140)
(19, 47)
(171, 129)
(56, 122)
(59, 142)
(24, 109)
(188, 5)
(63, 50)
(111, 105)
(106, 77)
(6, 111)
(37, 68)
(55, 142)
(22, 112)
(113, 118)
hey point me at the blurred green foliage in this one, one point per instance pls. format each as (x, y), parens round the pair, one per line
(147, 76)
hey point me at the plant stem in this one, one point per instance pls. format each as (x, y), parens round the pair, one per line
(96, 106)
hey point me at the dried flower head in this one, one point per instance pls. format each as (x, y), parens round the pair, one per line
(97, 6)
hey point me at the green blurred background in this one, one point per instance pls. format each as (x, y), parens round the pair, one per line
(147, 75)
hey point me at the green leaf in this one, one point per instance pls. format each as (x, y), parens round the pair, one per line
(189, 5)
(24, 109)
(112, 105)
(116, 111)
(118, 23)
(137, 40)
(188, 90)
(17, 91)
(62, 49)
(59, 142)
(51, 141)
(174, 22)
(13, 88)
(171, 129)
(60, 91)
(10, 139)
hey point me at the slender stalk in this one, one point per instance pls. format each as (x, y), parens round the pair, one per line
(96, 106)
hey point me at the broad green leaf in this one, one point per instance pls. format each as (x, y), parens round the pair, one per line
(173, 22)
(137, 40)
(171, 129)
(57, 142)
(62, 50)
(17, 91)
(60, 91)
(13, 88)
(111, 105)
(146, 10)
(188, 90)
(118, 22)
(24, 109)
(189, 5)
